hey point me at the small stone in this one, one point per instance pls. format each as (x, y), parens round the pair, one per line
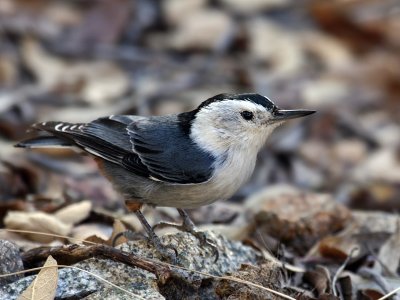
(268, 275)
(10, 262)
(297, 218)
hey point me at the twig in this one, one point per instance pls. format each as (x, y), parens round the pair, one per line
(70, 254)
(390, 294)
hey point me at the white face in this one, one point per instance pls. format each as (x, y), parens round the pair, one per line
(231, 124)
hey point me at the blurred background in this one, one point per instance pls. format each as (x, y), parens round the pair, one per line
(79, 60)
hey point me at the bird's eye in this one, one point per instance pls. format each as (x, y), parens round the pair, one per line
(247, 115)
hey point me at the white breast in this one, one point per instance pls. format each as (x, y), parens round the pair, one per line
(233, 173)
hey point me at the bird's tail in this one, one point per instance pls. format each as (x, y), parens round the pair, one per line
(43, 142)
(59, 139)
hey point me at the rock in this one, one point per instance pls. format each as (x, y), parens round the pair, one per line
(254, 6)
(10, 261)
(296, 218)
(75, 283)
(268, 275)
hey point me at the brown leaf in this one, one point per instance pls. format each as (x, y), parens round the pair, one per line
(336, 247)
(45, 284)
(118, 228)
(319, 279)
(95, 232)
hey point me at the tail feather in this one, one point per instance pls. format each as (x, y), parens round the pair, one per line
(44, 142)
(61, 137)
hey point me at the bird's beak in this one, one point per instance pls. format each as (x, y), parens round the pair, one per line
(283, 115)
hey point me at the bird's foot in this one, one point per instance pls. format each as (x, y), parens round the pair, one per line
(188, 226)
(205, 242)
(167, 252)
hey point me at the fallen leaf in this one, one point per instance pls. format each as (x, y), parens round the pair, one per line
(389, 254)
(337, 248)
(319, 279)
(204, 30)
(118, 228)
(37, 221)
(96, 82)
(74, 213)
(87, 231)
(99, 238)
(45, 284)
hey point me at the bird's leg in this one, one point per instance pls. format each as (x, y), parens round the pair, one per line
(188, 226)
(154, 239)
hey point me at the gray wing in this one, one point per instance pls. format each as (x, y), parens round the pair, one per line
(153, 147)
(167, 152)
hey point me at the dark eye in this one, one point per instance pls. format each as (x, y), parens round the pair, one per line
(247, 115)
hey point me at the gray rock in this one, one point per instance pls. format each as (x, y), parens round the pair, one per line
(10, 261)
(75, 283)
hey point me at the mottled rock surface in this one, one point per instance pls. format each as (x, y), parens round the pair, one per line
(75, 283)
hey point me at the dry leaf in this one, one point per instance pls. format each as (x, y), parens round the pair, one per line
(337, 248)
(118, 228)
(85, 231)
(36, 221)
(204, 29)
(389, 254)
(45, 284)
(95, 82)
(74, 213)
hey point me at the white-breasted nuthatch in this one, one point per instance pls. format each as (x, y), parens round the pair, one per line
(185, 160)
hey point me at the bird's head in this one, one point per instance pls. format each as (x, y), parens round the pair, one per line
(242, 121)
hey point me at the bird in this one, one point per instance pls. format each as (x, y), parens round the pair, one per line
(184, 160)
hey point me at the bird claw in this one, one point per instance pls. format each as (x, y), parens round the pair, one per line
(205, 242)
(165, 253)
(200, 235)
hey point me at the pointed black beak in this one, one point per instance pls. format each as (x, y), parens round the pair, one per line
(283, 115)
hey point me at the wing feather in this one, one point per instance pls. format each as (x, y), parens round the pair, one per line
(152, 147)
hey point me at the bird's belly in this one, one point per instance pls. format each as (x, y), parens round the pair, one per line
(230, 177)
